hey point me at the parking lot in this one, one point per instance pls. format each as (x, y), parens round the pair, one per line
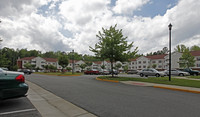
(19, 107)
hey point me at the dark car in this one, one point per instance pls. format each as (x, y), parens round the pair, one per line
(26, 71)
(192, 72)
(92, 71)
(12, 84)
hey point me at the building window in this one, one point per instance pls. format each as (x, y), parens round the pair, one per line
(160, 61)
(198, 58)
(139, 62)
(139, 66)
(144, 61)
(144, 66)
(154, 62)
(159, 66)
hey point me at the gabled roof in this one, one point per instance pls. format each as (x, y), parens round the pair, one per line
(51, 59)
(47, 59)
(133, 59)
(97, 62)
(26, 58)
(156, 56)
(195, 53)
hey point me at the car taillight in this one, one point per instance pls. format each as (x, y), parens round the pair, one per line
(20, 78)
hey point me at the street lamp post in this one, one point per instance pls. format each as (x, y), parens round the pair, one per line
(170, 28)
(72, 61)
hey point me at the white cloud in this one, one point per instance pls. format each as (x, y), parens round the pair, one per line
(128, 6)
(83, 19)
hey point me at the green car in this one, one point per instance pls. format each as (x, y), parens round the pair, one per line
(12, 84)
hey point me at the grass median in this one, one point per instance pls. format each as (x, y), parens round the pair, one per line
(159, 80)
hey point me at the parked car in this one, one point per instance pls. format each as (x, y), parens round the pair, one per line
(92, 71)
(191, 72)
(132, 72)
(150, 72)
(104, 72)
(114, 71)
(6, 69)
(177, 73)
(12, 84)
(26, 71)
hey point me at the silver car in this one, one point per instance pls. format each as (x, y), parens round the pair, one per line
(177, 73)
(150, 72)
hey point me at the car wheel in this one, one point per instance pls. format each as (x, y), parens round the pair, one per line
(141, 75)
(181, 74)
(195, 74)
(157, 75)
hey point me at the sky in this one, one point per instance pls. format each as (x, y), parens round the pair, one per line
(66, 25)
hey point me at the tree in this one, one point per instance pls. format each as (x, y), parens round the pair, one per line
(103, 66)
(63, 61)
(180, 48)
(194, 48)
(112, 45)
(125, 68)
(154, 66)
(82, 66)
(69, 68)
(187, 60)
(28, 66)
(118, 65)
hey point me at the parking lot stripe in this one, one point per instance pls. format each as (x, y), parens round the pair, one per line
(18, 111)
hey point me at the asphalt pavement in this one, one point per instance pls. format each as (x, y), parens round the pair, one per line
(19, 107)
(119, 99)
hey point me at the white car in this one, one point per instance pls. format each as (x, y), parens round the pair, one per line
(150, 72)
(177, 73)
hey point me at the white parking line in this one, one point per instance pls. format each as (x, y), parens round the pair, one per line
(19, 111)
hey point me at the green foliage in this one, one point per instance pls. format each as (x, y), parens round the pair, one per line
(103, 67)
(118, 65)
(194, 48)
(154, 66)
(68, 68)
(27, 66)
(187, 60)
(125, 68)
(180, 48)
(159, 52)
(112, 45)
(63, 61)
(82, 66)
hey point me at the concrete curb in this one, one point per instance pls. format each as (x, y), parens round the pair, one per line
(177, 89)
(107, 80)
(50, 105)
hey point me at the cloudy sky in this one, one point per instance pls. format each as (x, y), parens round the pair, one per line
(53, 25)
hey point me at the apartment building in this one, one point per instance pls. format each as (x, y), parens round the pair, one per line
(39, 62)
(147, 61)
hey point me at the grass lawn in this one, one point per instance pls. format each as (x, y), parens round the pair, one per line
(59, 73)
(159, 80)
(196, 77)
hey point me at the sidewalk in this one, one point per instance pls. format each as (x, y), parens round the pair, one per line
(164, 86)
(50, 105)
